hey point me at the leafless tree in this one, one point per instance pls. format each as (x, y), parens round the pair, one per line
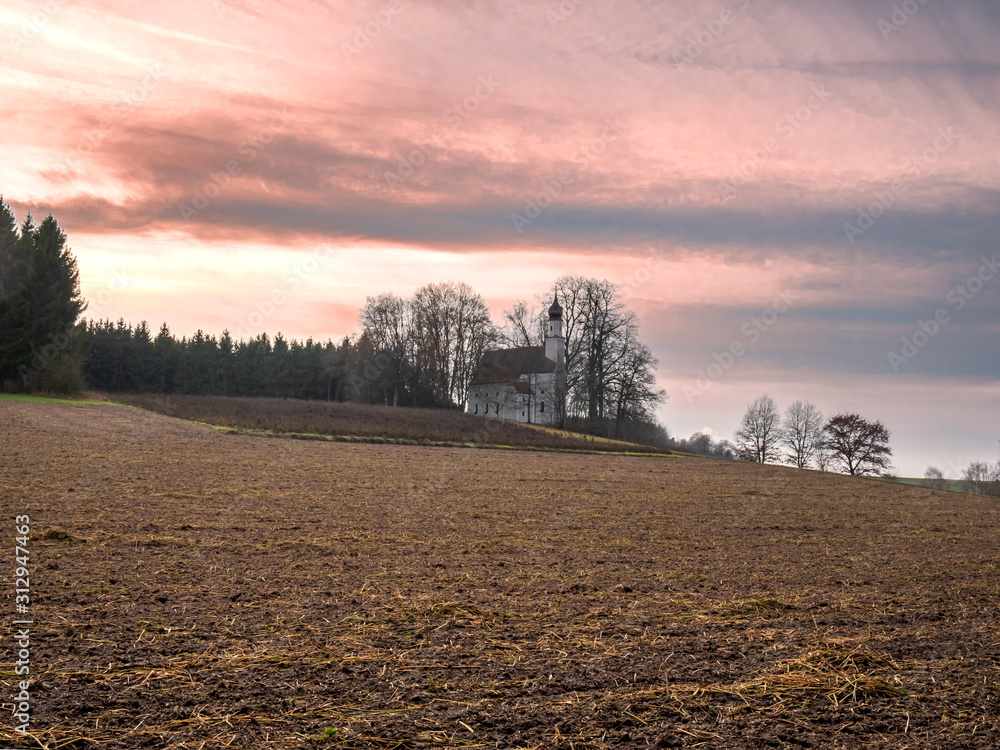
(978, 475)
(609, 374)
(451, 330)
(802, 433)
(588, 305)
(934, 479)
(386, 322)
(994, 486)
(631, 381)
(474, 334)
(604, 328)
(759, 435)
(523, 325)
(859, 446)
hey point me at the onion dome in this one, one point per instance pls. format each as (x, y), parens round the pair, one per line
(555, 311)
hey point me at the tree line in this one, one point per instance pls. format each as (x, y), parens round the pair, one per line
(119, 357)
(422, 351)
(703, 444)
(978, 478)
(847, 441)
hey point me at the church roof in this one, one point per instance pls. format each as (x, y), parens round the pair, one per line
(507, 365)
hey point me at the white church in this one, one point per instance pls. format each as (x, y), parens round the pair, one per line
(523, 384)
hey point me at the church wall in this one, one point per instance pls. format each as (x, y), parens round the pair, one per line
(499, 400)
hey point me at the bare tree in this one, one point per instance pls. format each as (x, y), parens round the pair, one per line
(474, 334)
(605, 332)
(610, 375)
(994, 486)
(759, 435)
(523, 326)
(934, 479)
(632, 383)
(386, 322)
(433, 329)
(859, 446)
(451, 330)
(802, 433)
(699, 442)
(978, 475)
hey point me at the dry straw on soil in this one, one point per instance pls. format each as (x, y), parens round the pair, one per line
(202, 590)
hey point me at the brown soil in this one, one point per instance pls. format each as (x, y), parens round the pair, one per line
(202, 590)
(368, 423)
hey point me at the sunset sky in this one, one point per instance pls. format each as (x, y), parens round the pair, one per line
(815, 181)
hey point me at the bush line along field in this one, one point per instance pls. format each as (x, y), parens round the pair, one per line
(194, 589)
(376, 423)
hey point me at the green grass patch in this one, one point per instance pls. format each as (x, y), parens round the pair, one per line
(946, 485)
(46, 399)
(380, 440)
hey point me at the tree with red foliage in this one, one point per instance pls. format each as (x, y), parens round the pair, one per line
(860, 446)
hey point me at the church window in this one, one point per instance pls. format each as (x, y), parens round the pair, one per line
(487, 409)
(541, 406)
(477, 409)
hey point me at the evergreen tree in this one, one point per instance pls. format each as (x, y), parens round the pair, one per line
(15, 301)
(142, 358)
(39, 305)
(164, 361)
(98, 366)
(57, 280)
(226, 364)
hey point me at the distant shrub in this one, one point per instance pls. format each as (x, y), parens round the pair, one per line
(934, 479)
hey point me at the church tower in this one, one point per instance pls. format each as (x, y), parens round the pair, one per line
(555, 344)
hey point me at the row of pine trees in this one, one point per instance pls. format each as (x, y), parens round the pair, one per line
(45, 346)
(119, 357)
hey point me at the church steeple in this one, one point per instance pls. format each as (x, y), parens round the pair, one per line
(555, 344)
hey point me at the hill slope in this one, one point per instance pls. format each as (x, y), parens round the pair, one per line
(292, 416)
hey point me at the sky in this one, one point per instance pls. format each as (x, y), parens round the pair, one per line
(798, 199)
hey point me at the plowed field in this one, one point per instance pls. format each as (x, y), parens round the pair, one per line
(196, 589)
